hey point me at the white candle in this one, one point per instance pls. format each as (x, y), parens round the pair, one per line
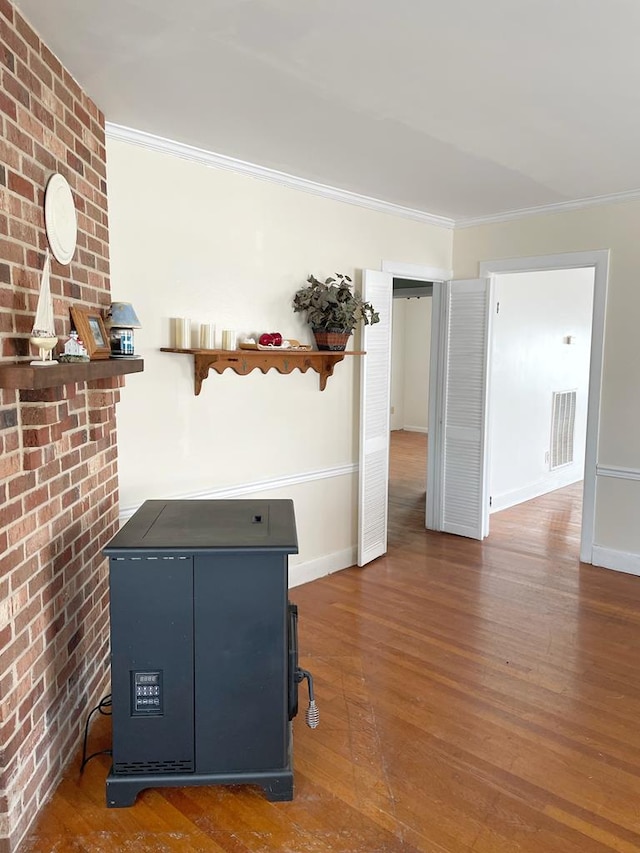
(181, 327)
(228, 339)
(207, 340)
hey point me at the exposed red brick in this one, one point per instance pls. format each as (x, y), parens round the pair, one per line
(72, 124)
(96, 433)
(58, 487)
(11, 37)
(22, 231)
(70, 461)
(9, 513)
(52, 61)
(8, 106)
(82, 115)
(62, 93)
(24, 662)
(39, 414)
(15, 347)
(8, 656)
(6, 635)
(9, 465)
(6, 321)
(50, 469)
(11, 441)
(43, 115)
(11, 252)
(83, 152)
(7, 58)
(35, 498)
(32, 460)
(66, 137)
(26, 32)
(45, 158)
(18, 184)
(6, 9)
(16, 90)
(71, 85)
(103, 398)
(25, 615)
(41, 70)
(19, 530)
(29, 80)
(22, 484)
(44, 395)
(28, 704)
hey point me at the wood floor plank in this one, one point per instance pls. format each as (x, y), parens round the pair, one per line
(474, 696)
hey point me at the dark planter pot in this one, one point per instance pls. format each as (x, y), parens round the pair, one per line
(330, 340)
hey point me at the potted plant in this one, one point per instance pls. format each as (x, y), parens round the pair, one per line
(333, 310)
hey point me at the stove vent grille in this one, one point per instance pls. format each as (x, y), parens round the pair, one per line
(125, 767)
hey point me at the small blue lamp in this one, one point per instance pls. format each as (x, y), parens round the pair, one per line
(121, 320)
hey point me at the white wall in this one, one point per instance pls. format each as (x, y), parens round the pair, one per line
(531, 360)
(613, 227)
(398, 337)
(410, 357)
(417, 355)
(216, 246)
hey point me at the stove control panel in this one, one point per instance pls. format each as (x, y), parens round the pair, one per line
(146, 693)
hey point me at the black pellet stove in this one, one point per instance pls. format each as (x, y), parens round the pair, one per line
(204, 669)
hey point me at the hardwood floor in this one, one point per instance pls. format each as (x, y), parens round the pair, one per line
(474, 697)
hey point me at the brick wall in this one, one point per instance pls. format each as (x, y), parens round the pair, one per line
(58, 465)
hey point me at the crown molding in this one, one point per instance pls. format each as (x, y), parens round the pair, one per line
(559, 207)
(220, 161)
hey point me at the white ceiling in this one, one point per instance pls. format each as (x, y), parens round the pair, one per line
(460, 108)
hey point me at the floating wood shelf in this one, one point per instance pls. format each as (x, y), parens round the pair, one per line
(23, 376)
(244, 361)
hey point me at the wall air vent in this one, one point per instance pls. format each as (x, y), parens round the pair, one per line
(563, 421)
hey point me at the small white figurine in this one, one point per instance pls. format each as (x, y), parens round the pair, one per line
(74, 349)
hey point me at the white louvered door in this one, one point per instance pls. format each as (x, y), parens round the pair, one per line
(465, 499)
(375, 399)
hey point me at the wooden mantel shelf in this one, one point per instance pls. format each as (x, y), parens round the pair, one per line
(22, 376)
(245, 360)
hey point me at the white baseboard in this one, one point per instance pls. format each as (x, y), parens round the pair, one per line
(619, 561)
(416, 429)
(527, 493)
(322, 566)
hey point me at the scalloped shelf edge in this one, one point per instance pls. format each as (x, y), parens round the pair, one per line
(244, 361)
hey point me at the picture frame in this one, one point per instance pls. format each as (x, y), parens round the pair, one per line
(91, 330)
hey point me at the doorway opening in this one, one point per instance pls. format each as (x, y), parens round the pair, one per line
(598, 262)
(409, 408)
(539, 386)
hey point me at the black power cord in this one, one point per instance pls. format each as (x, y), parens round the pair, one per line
(105, 702)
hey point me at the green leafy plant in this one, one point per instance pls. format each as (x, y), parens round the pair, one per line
(332, 305)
